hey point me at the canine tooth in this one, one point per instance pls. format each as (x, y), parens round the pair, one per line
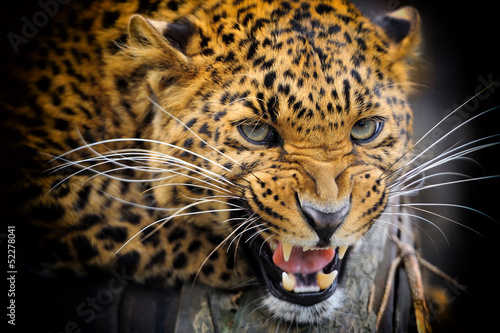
(326, 280)
(287, 249)
(273, 245)
(288, 281)
(342, 250)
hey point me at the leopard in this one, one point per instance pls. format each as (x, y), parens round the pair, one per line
(221, 141)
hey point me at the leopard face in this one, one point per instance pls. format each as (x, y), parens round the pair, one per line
(266, 132)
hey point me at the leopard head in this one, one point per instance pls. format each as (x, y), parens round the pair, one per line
(280, 122)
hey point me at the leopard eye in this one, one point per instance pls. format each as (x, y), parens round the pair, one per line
(365, 130)
(258, 134)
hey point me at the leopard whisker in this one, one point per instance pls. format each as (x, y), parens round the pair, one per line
(164, 220)
(379, 221)
(395, 194)
(420, 218)
(217, 197)
(405, 84)
(105, 174)
(110, 158)
(116, 140)
(167, 159)
(258, 232)
(422, 179)
(191, 131)
(412, 160)
(443, 217)
(246, 98)
(248, 221)
(404, 230)
(453, 112)
(425, 166)
(443, 158)
(248, 283)
(183, 184)
(135, 204)
(103, 142)
(171, 161)
(433, 204)
(214, 250)
(234, 219)
(264, 242)
(211, 185)
(74, 174)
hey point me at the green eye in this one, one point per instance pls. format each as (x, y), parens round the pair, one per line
(258, 134)
(365, 130)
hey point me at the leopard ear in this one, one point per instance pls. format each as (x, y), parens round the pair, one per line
(150, 35)
(402, 28)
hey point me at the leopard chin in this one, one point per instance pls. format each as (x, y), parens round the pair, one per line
(312, 314)
(301, 283)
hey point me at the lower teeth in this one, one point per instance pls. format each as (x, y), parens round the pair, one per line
(323, 281)
(306, 289)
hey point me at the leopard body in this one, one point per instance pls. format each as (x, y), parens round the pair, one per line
(129, 124)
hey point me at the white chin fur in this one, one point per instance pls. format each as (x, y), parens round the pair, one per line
(300, 314)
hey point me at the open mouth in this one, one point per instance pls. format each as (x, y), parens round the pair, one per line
(300, 275)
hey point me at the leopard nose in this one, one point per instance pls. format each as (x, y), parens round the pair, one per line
(324, 223)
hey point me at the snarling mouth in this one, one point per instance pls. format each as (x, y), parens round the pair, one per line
(299, 275)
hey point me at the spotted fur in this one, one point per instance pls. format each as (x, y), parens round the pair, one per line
(127, 114)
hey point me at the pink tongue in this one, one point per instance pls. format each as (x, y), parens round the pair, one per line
(303, 262)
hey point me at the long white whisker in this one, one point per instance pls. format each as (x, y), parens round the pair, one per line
(109, 158)
(136, 204)
(183, 184)
(107, 174)
(421, 218)
(444, 218)
(215, 249)
(256, 233)
(191, 131)
(168, 160)
(443, 158)
(403, 230)
(448, 205)
(426, 187)
(422, 179)
(217, 197)
(245, 98)
(444, 136)
(453, 112)
(248, 222)
(103, 142)
(168, 218)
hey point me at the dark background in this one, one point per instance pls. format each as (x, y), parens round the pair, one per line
(460, 51)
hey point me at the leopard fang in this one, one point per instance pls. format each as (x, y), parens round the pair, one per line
(326, 280)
